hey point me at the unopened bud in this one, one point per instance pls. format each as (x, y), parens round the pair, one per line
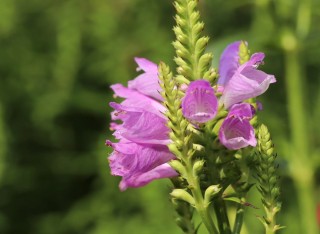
(210, 193)
(173, 148)
(177, 165)
(197, 167)
(183, 195)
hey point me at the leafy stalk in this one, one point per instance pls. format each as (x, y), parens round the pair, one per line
(184, 211)
(182, 147)
(193, 63)
(268, 180)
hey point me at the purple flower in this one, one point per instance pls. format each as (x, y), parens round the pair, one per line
(236, 131)
(141, 155)
(199, 103)
(229, 62)
(243, 110)
(139, 164)
(244, 81)
(140, 126)
(147, 83)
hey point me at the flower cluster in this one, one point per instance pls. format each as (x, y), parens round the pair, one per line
(141, 155)
(237, 83)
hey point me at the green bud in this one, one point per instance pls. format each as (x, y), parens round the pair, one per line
(177, 165)
(183, 124)
(201, 43)
(198, 27)
(244, 54)
(195, 16)
(181, 22)
(205, 60)
(182, 79)
(198, 147)
(183, 65)
(210, 193)
(173, 148)
(197, 167)
(183, 195)
(179, 8)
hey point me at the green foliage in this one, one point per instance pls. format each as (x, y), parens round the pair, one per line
(268, 179)
(193, 63)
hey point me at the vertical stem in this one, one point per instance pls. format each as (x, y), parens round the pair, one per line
(302, 170)
(304, 18)
(222, 216)
(239, 219)
(3, 143)
(199, 202)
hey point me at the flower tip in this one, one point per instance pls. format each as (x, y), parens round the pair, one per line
(272, 79)
(145, 65)
(123, 186)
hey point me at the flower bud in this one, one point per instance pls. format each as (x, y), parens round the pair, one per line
(177, 165)
(211, 192)
(183, 195)
(197, 167)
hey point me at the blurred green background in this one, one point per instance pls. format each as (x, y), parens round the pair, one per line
(57, 61)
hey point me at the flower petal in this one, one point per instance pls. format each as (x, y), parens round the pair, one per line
(236, 133)
(140, 126)
(138, 164)
(162, 171)
(242, 110)
(247, 82)
(148, 82)
(199, 104)
(135, 99)
(146, 65)
(229, 62)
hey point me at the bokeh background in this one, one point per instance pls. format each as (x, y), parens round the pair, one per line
(57, 61)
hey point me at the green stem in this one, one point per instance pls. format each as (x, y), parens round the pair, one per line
(199, 201)
(3, 143)
(184, 211)
(304, 18)
(222, 216)
(304, 183)
(239, 219)
(271, 227)
(302, 170)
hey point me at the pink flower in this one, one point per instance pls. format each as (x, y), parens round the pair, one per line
(199, 103)
(236, 131)
(141, 155)
(229, 62)
(244, 81)
(147, 83)
(139, 164)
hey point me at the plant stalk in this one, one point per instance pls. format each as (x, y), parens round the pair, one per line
(222, 216)
(239, 219)
(202, 209)
(302, 170)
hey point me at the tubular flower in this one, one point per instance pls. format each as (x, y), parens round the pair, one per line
(236, 131)
(141, 155)
(229, 62)
(199, 104)
(147, 83)
(139, 164)
(241, 82)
